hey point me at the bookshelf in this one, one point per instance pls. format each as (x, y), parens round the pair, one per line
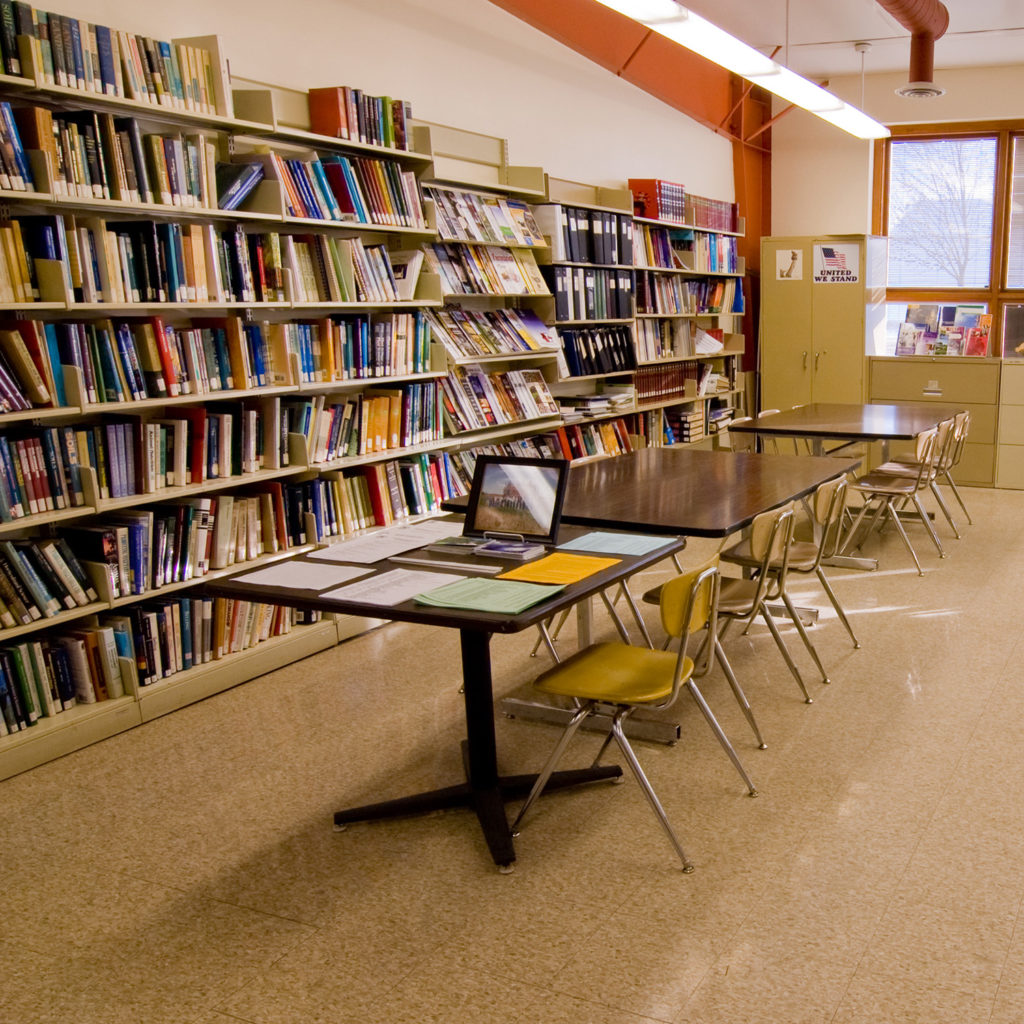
(268, 322)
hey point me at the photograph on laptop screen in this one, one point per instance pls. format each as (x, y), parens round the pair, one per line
(517, 499)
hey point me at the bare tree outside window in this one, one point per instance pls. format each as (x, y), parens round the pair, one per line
(941, 202)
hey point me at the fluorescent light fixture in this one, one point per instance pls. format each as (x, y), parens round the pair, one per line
(682, 26)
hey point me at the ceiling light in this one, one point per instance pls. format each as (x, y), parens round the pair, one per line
(682, 26)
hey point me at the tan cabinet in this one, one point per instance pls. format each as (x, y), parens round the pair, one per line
(973, 384)
(822, 310)
(1010, 451)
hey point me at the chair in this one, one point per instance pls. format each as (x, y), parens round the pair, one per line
(742, 442)
(882, 491)
(743, 599)
(626, 678)
(944, 443)
(769, 444)
(961, 425)
(826, 509)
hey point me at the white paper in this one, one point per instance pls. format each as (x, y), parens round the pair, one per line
(392, 587)
(302, 575)
(385, 543)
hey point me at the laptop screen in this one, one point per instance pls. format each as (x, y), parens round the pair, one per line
(513, 497)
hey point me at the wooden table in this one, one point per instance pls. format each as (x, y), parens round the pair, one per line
(821, 422)
(485, 790)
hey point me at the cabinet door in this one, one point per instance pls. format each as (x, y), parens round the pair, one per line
(786, 345)
(837, 327)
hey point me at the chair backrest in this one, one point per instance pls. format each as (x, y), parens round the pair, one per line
(943, 450)
(769, 444)
(827, 506)
(688, 604)
(689, 600)
(961, 424)
(770, 536)
(926, 450)
(742, 442)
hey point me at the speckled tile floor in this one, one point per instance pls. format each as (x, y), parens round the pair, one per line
(187, 871)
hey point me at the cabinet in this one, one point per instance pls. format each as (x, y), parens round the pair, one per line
(949, 380)
(822, 311)
(1010, 450)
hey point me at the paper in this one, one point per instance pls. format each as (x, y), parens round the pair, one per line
(302, 575)
(616, 543)
(487, 595)
(559, 568)
(392, 587)
(385, 543)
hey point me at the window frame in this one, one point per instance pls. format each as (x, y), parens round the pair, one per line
(996, 295)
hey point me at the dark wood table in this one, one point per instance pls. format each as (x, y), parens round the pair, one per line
(821, 422)
(690, 491)
(484, 789)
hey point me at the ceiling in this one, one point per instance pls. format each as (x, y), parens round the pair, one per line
(822, 33)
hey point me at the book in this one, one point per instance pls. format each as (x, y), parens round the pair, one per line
(235, 182)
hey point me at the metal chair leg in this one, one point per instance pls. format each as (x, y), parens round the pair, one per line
(635, 609)
(903, 533)
(804, 635)
(722, 738)
(645, 786)
(956, 493)
(941, 502)
(840, 611)
(741, 697)
(784, 651)
(549, 766)
(926, 519)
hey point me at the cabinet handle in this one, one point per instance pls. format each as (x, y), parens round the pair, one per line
(805, 360)
(817, 356)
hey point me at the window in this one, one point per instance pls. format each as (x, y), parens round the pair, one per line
(952, 206)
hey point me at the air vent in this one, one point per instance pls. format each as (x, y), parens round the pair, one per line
(920, 90)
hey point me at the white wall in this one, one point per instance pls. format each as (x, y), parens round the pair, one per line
(821, 177)
(465, 63)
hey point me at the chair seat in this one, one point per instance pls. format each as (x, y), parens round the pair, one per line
(802, 555)
(615, 674)
(737, 596)
(883, 483)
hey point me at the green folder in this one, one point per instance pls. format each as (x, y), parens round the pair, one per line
(484, 595)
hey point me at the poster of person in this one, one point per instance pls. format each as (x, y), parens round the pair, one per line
(838, 263)
(789, 264)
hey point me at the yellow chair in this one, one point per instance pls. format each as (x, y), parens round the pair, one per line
(625, 678)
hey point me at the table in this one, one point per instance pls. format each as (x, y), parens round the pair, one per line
(485, 790)
(821, 421)
(678, 490)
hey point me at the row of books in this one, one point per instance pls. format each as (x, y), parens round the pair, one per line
(714, 214)
(125, 361)
(467, 333)
(581, 440)
(359, 347)
(473, 216)
(94, 58)
(329, 270)
(591, 293)
(27, 380)
(473, 399)
(477, 269)
(133, 553)
(341, 112)
(16, 173)
(361, 189)
(686, 249)
(666, 295)
(662, 339)
(597, 350)
(587, 236)
(376, 420)
(661, 295)
(684, 426)
(707, 253)
(39, 472)
(657, 383)
(658, 200)
(44, 677)
(40, 579)
(94, 155)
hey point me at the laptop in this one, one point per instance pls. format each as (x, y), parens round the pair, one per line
(515, 506)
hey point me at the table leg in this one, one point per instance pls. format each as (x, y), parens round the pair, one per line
(484, 790)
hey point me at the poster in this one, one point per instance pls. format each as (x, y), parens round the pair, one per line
(837, 264)
(789, 264)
